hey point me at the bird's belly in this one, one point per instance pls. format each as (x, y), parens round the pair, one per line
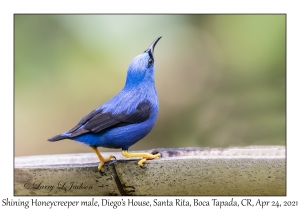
(119, 137)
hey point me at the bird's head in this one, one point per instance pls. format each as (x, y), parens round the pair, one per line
(141, 68)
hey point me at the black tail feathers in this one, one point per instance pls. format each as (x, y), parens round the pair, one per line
(58, 137)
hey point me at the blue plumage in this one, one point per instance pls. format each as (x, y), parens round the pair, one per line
(127, 117)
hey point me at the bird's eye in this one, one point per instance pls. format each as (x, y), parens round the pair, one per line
(150, 62)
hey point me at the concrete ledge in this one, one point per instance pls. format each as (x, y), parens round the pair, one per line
(256, 170)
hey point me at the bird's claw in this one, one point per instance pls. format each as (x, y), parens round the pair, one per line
(156, 153)
(143, 167)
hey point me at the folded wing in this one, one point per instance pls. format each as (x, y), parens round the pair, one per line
(97, 121)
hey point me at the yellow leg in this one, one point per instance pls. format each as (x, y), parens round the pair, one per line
(144, 156)
(101, 158)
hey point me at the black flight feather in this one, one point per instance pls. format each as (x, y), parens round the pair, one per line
(97, 121)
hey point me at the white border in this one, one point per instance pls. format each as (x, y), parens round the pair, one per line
(8, 8)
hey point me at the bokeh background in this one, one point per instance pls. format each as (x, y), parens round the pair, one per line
(221, 79)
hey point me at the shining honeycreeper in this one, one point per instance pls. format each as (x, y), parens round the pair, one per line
(127, 117)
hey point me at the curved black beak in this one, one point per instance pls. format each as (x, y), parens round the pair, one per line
(150, 50)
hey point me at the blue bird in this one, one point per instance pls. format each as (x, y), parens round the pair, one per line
(124, 119)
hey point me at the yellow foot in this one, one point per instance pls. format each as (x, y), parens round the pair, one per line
(101, 158)
(144, 156)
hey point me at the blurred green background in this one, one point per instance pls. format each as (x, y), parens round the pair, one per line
(220, 79)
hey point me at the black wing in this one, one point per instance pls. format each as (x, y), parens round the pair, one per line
(97, 121)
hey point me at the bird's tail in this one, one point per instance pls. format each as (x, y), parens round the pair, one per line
(60, 137)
